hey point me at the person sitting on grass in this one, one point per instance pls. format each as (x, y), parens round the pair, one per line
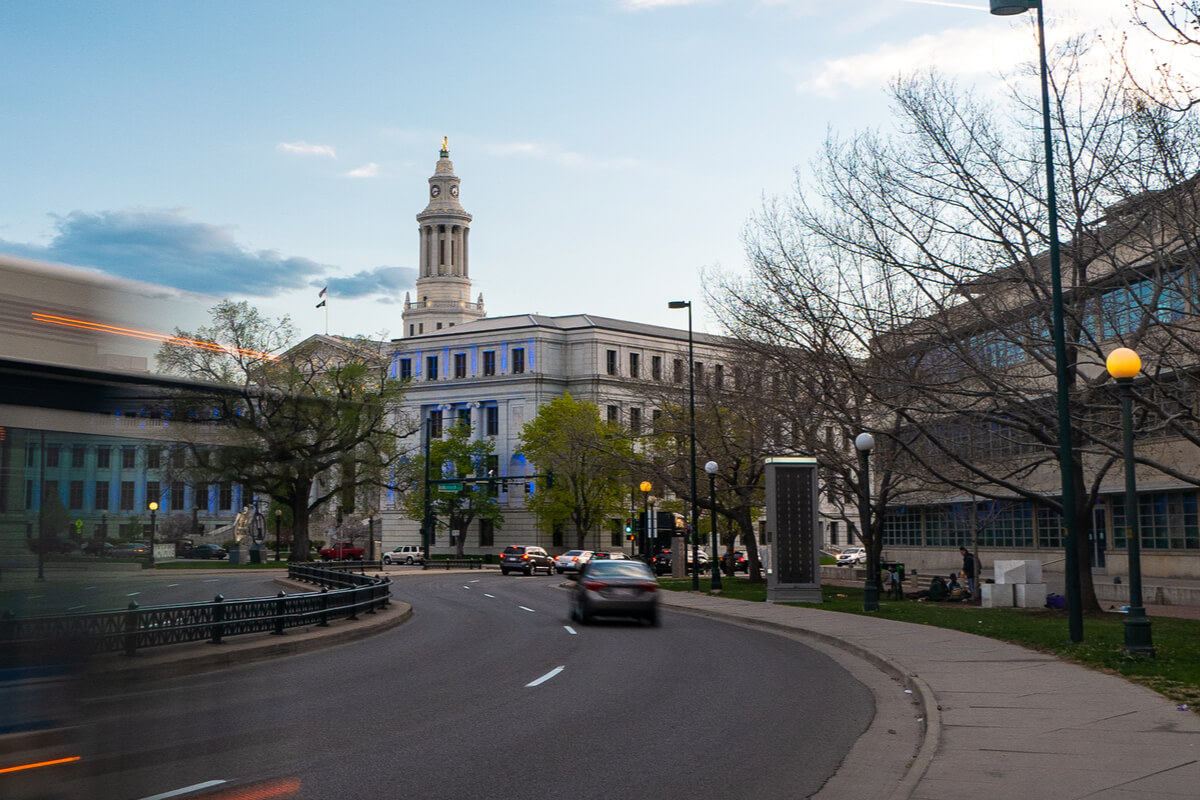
(936, 593)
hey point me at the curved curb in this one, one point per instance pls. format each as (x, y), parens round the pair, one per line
(932, 729)
(191, 657)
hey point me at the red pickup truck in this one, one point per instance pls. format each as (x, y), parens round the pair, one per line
(343, 551)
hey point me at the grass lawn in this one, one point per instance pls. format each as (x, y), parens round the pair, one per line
(1174, 672)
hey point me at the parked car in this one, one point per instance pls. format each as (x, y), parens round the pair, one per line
(661, 562)
(205, 551)
(405, 554)
(572, 560)
(614, 588)
(130, 550)
(851, 556)
(341, 551)
(521, 558)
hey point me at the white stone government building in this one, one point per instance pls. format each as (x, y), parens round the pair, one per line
(495, 372)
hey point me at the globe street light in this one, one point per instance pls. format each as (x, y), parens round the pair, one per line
(692, 406)
(1066, 456)
(1123, 364)
(645, 487)
(865, 443)
(715, 561)
(153, 514)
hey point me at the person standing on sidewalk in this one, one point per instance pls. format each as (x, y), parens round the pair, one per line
(968, 568)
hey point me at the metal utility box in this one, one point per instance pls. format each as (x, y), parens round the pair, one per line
(793, 524)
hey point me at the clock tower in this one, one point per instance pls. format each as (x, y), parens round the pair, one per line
(444, 280)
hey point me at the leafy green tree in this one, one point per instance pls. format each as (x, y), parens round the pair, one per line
(588, 461)
(302, 424)
(455, 457)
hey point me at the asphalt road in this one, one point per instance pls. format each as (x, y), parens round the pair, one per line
(488, 691)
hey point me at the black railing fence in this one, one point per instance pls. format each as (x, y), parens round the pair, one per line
(344, 594)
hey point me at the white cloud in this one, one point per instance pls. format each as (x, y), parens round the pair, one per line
(370, 170)
(647, 5)
(306, 149)
(556, 155)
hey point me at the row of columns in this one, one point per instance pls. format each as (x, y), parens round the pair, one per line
(444, 253)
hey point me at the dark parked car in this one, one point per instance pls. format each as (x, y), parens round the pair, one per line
(519, 558)
(205, 551)
(661, 562)
(740, 562)
(614, 588)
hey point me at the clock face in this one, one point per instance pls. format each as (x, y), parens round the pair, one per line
(435, 190)
(454, 191)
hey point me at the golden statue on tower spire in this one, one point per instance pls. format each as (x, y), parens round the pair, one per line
(445, 146)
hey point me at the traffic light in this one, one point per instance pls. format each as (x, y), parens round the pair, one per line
(628, 526)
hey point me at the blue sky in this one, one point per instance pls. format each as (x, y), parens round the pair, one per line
(609, 150)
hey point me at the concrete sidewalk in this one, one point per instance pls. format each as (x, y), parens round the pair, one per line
(1000, 721)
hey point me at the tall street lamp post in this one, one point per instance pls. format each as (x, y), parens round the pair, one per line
(278, 517)
(645, 548)
(1123, 364)
(714, 562)
(692, 425)
(1066, 456)
(865, 443)
(153, 514)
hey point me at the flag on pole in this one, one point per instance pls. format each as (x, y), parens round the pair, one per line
(321, 304)
(321, 294)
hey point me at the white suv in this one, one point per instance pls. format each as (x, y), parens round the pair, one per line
(405, 554)
(851, 556)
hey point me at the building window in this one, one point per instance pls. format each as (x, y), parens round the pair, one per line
(153, 493)
(655, 417)
(656, 367)
(225, 496)
(558, 535)
(154, 458)
(420, 327)
(100, 498)
(489, 362)
(902, 526)
(78, 453)
(75, 495)
(177, 496)
(435, 424)
(719, 376)
(635, 421)
(28, 495)
(614, 415)
(104, 458)
(1006, 524)
(439, 326)
(677, 372)
(127, 495)
(518, 360)
(611, 362)
(405, 369)
(431, 368)
(635, 365)
(128, 457)
(699, 374)
(491, 416)
(179, 457)
(460, 365)
(52, 455)
(464, 418)
(410, 328)
(200, 499)
(487, 533)
(737, 377)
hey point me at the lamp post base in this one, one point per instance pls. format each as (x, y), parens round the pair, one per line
(871, 596)
(1138, 641)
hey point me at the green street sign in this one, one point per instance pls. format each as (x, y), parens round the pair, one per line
(78, 524)
(450, 487)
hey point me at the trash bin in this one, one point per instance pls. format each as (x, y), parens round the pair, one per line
(256, 554)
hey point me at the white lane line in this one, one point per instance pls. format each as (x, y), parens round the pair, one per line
(485, 594)
(89, 588)
(475, 581)
(545, 677)
(172, 585)
(213, 580)
(466, 587)
(76, 608)
(133, 594)
(185, 790)
(530, 610)
(570, 630)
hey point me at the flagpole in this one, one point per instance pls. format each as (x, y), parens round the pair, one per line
(327, 315)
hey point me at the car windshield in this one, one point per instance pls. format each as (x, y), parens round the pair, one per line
(618, 569)
(573, 553)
